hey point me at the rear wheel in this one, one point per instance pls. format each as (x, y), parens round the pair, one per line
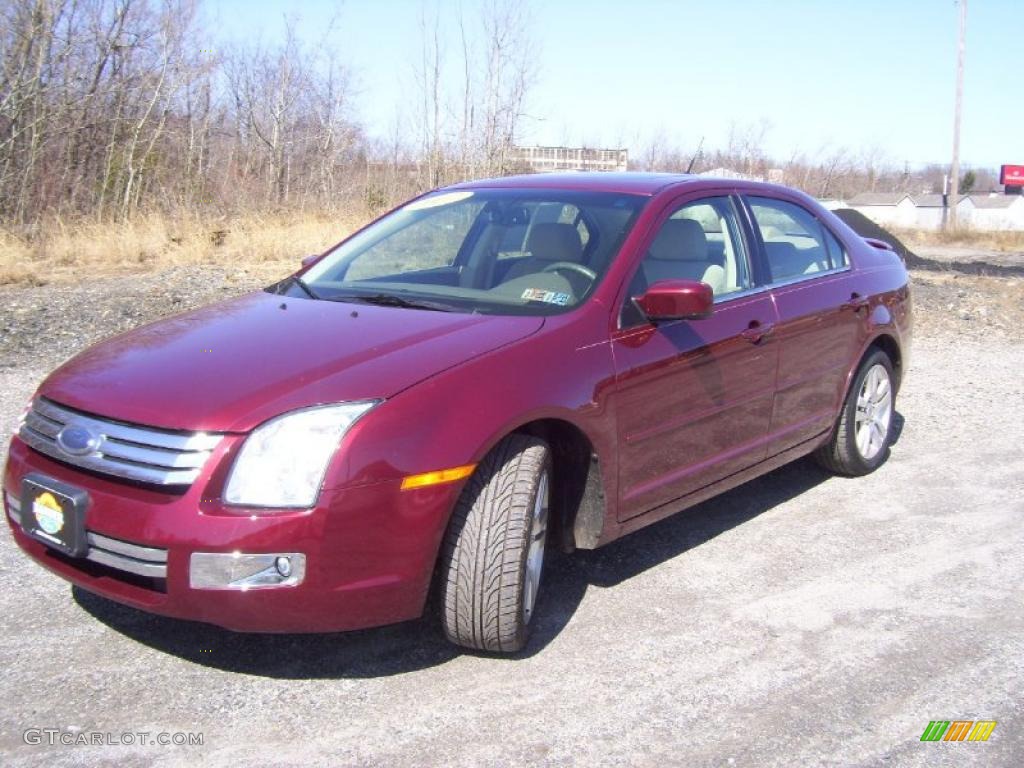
(494, 548)
(860, 441)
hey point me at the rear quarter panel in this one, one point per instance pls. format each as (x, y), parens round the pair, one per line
(884, 277)
(879, 273)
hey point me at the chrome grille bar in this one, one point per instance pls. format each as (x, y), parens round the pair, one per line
(125, 556)
(126, 548)
(143, 454)
(13, 507)
(114, 553)
(162, 438)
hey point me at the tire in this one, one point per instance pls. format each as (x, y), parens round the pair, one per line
(850, 450)
(488, 579)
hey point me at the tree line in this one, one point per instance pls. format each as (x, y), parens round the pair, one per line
(109, 108)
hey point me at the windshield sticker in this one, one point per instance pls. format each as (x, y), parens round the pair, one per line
(435, 201)
(548, 297)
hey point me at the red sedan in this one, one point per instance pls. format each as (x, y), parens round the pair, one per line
(490, 370)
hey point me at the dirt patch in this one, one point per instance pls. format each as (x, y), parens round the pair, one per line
(47, 324)
(968, 307)
(970, 262)
(966, 239)
(958, 254)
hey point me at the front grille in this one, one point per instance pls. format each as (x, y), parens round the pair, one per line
(132, 452)
(113, 553)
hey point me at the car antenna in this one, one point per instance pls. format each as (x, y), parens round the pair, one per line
(696, 156)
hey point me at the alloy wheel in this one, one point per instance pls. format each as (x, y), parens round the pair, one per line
(535, 553)
(874, 412)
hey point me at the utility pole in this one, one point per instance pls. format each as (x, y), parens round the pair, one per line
(957, 110)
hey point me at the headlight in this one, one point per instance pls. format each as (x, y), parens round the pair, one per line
(283, 461)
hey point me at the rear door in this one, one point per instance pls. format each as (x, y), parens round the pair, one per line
(820, 314)
(693, 397)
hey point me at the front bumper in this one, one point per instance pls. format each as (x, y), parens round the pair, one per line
(370, 550)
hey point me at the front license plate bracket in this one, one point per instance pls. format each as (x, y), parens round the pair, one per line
(54, 513)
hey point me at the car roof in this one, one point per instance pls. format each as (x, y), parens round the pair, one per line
(592, 181)
(629, 183)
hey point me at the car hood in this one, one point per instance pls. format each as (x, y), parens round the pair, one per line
(232, 365)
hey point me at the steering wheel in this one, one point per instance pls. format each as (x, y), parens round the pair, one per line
(572, 266)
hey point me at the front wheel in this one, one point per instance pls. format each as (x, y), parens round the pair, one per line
(494, 548)
(860, 441)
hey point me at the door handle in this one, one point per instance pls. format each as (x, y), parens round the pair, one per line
(856, 302)
(757, 331)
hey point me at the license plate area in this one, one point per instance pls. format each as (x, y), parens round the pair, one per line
(54, 513)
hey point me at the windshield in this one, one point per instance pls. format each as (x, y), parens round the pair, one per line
(536, 252)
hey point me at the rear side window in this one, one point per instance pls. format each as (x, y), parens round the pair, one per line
(836, 252)
(795, 242)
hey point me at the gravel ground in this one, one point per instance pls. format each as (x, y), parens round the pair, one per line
(798, 620)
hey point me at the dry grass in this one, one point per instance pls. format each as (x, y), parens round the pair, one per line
(1003, 242)
(65, 253)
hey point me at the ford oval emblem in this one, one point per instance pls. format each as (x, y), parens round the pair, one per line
(76, 440)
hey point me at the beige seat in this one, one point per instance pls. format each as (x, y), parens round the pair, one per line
(547, 243)
(786, 260)
(680, 252)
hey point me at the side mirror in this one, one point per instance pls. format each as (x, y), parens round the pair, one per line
(677, 300)
(310, 259)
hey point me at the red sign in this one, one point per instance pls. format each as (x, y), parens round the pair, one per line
(1012, 175)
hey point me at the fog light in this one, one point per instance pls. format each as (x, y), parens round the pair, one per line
(237, 570)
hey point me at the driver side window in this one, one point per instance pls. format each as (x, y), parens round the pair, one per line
(699, 241)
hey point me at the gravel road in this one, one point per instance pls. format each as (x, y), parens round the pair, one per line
(799, 620)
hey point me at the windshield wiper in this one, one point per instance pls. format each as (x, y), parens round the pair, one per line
(390, 300)
(296, 280)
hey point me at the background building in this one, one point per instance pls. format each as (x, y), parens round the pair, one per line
(931, 214)
(985, 213)
(570, 158)
(890, 209)
(992, 212)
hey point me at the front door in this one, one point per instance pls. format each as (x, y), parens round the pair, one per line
(693, 398)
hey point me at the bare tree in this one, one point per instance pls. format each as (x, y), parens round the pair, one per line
(266, 87)
(511, 70)
(428, 75)
(290, 105)
(470, 117)
(112, 108)
(86, 92)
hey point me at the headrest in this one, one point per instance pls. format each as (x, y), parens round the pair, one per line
(680, 240)
(552, 241)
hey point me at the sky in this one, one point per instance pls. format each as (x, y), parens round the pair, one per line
(873, 76)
